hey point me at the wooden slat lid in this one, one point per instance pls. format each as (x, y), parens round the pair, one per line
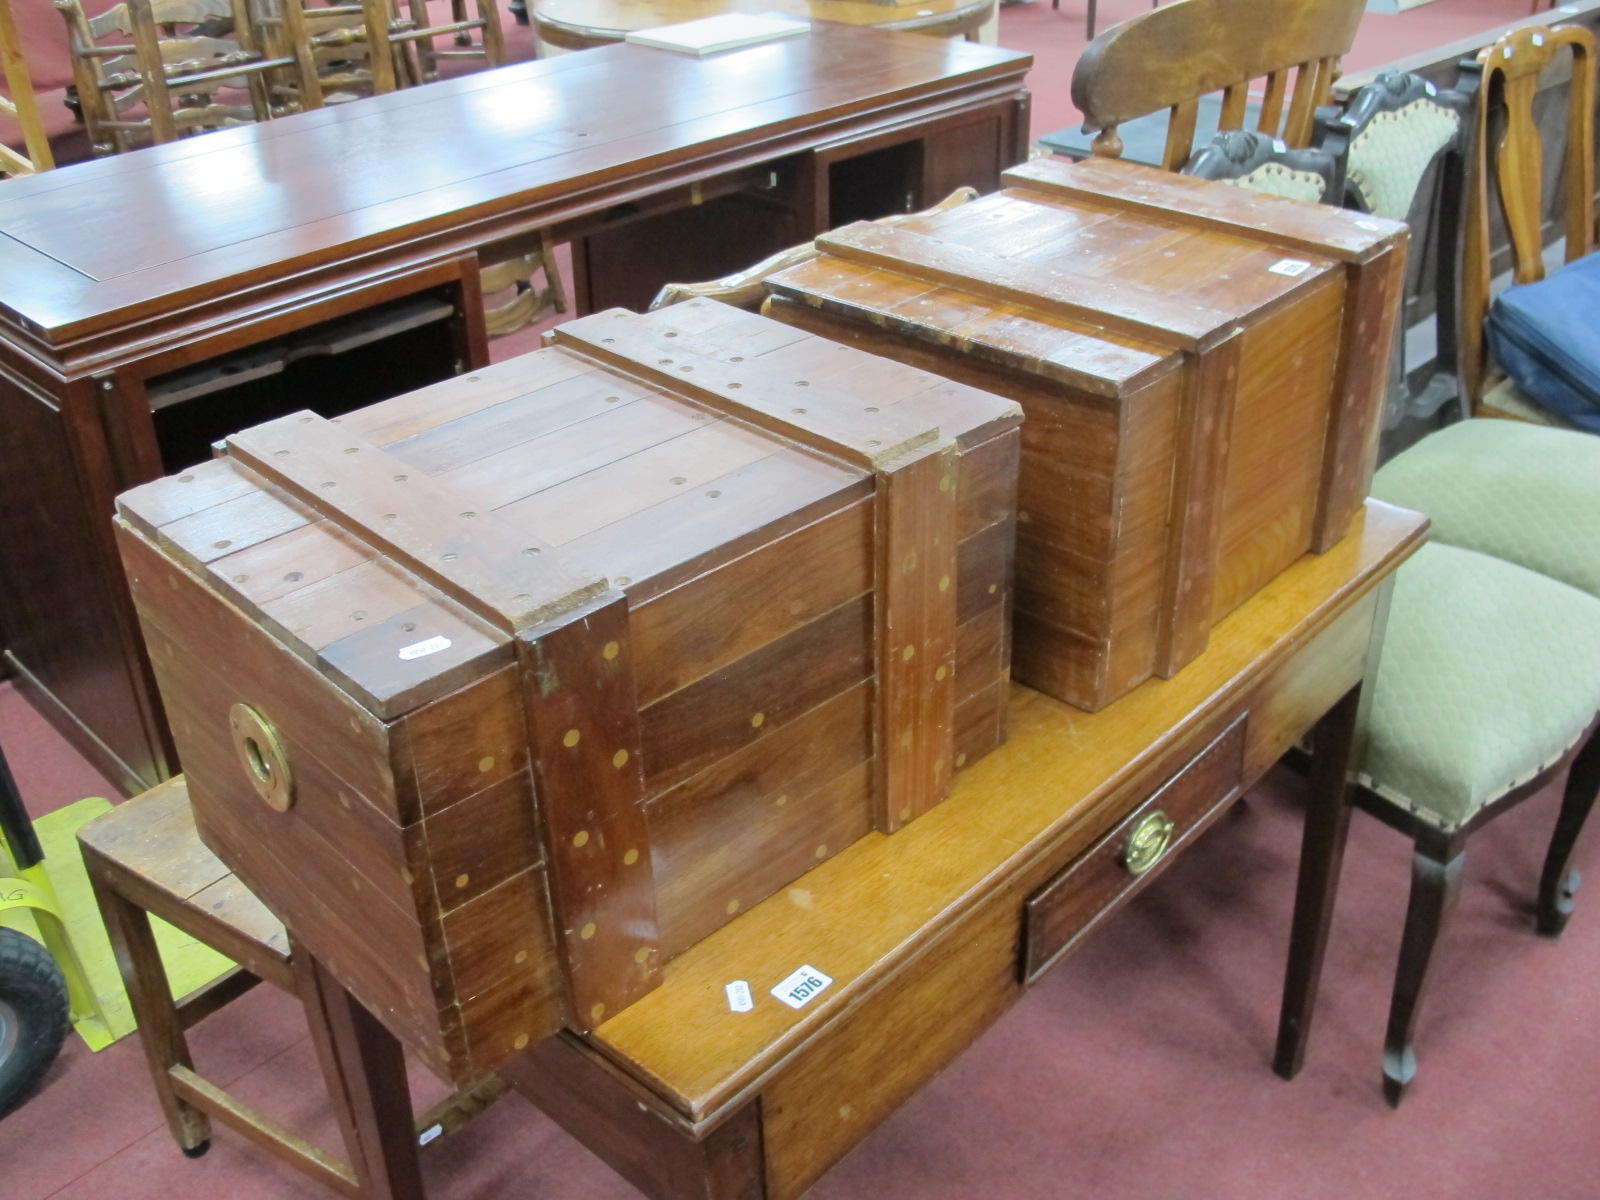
(1055, 279)
(400, 548)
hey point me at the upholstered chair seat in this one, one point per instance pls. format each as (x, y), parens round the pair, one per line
(1524, 493)
(1487, 687)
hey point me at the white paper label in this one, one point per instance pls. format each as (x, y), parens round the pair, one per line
(1289, 266)
(422, 649)
(739, 998)
(801, 988)
(428, 1134)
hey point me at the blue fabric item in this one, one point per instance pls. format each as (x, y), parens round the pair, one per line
(1546, 336)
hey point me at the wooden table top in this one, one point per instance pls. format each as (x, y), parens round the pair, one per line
(1048, 792)
(580, 24)
(451, 165)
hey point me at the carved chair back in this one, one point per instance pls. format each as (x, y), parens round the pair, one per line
(1508, 146)
(1401, 140)
(1173, 56)
(1248, 159)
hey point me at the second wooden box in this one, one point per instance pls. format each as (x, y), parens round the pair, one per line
(1201, 368)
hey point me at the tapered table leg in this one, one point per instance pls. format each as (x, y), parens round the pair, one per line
(1321, 856)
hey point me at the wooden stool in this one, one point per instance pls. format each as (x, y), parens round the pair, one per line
(145, 857)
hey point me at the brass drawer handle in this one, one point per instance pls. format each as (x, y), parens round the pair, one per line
(1147, 843)
(262, 756)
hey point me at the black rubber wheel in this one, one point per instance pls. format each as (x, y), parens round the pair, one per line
(34, 1015)
(196, 1151)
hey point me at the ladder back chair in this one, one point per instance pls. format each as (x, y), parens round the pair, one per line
(170, 58)
(1515, 159)
(1174, 56)
(472, 37)
(22, 105)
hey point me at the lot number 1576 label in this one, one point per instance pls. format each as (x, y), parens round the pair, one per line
(799, 989)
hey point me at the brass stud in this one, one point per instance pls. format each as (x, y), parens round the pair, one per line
(522, 956)
(822, 850)
(520, 1041)
(486, 763)
(581, 838)
(597, 1013)
(406, 877)
(993, 587)
(732, 907)
(946, 483)
(908, 653)
(619, 759)
(571, 739)
(757, 720)
(642, 955)
(611, 651)
(961, 760)
(905, 814)
(846, 1112)
(944, 583)
(911, 560)
(938, 767)
(797, 607)
(631, 857)
(781, 800)
(941, 672)
(588, 931)
(905, 740)
(463, 880)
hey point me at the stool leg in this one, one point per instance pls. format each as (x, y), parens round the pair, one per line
(1435, 886)
(1559, 882)
(366, 1074)
(150, 995)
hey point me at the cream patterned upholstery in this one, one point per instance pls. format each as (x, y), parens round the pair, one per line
(1276, 179)
(1524, 493)
(1389, 156)
(1489, 674)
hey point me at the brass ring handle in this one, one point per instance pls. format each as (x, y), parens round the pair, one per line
(1148, 842)
(261, 754)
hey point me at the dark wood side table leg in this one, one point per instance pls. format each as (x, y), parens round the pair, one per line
(1321, 856)
(1559, 881)
(366, 1073)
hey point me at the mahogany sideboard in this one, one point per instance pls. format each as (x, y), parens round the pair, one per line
(157, 301)
(922, 940)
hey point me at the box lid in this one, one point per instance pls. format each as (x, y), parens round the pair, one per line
(400, 548)
(1098, 277)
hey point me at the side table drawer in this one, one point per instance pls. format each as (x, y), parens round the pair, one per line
(1092, 886)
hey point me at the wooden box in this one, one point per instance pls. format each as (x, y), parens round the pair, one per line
(1201, 368)
(503, 692)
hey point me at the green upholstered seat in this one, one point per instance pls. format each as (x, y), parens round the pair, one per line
(1524, 493)
(1489, 674)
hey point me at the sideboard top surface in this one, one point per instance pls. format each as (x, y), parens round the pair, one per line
(148, 231)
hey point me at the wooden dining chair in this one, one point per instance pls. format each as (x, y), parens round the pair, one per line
(1487, 688)
(477, 37)
(20, 104)
(1173, 57)
(170, 59)
(1515, 159)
